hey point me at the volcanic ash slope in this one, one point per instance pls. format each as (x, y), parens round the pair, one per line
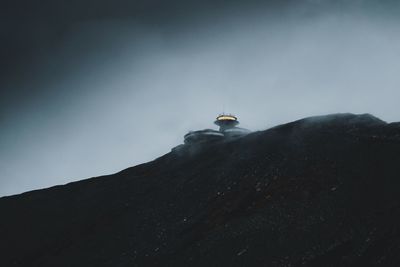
(321, 191)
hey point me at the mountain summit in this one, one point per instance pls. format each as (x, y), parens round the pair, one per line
(321, 191)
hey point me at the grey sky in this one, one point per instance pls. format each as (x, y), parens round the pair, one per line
(111, 93)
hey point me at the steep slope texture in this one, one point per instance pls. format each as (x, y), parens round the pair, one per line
(322, 191)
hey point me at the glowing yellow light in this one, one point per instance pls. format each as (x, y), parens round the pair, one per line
(226, 117)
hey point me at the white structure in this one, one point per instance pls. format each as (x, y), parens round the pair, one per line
(227, 129)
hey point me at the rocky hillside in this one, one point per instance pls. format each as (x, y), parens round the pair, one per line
(321, 191)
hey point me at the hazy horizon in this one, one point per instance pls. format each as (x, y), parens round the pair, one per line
(86, 94)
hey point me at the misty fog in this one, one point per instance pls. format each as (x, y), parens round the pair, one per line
(118, 92)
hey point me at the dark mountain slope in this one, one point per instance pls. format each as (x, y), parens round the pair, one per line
(322, 191)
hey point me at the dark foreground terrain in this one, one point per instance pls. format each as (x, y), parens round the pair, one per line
(323, 191)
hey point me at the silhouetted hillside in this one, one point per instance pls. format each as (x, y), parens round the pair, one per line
(322, 191)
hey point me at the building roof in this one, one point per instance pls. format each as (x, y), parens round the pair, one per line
(226, 117)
